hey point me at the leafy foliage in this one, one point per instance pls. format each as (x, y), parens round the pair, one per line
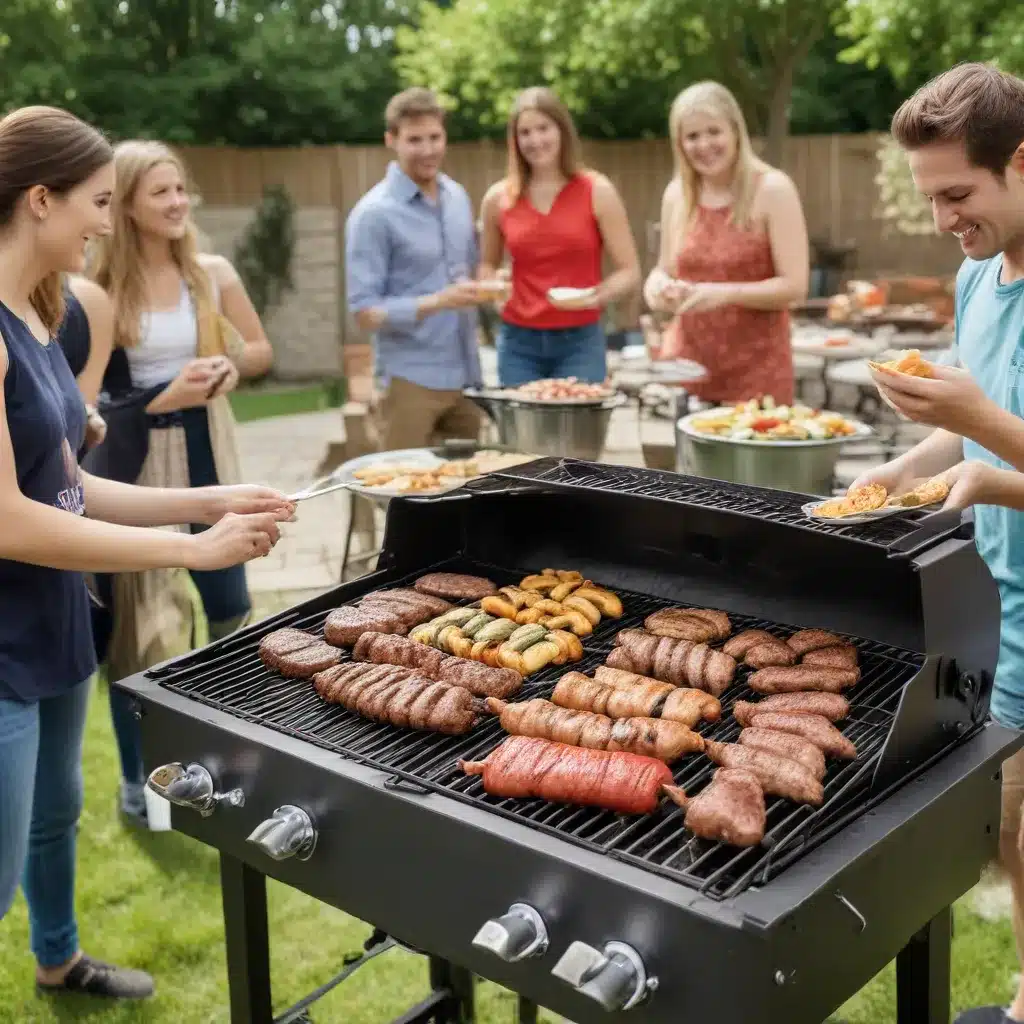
(900, 204)
(263, 255)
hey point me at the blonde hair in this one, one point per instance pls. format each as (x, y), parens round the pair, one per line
(713, 100)
(117, 258)
(570, 155)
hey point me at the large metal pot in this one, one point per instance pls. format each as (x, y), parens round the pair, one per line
(806, 467)
(568, 429)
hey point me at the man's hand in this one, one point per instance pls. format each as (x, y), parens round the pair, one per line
(951, 399)
(460, 295)
(242, 500)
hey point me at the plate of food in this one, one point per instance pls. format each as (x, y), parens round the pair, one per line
(763, 421)
(871, 502)
(908, 361)
(572, 298)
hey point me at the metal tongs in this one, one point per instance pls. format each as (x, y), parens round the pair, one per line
(325, 485)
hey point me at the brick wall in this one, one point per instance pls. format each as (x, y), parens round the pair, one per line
(305, 329)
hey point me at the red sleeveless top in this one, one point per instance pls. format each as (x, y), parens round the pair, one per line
(747, 352)
(559, 249)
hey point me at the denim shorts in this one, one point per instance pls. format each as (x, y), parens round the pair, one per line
(528, 353)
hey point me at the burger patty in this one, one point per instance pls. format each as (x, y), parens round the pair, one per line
(296, 654)
(345, 625)
(455, 586)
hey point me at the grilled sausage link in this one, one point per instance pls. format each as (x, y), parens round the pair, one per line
(730, 809)
(794, 678)
(843, 656)
(398, 696)
(635, 696)
(777, 775)
(811, 639)
(679, 662)
(820, 731)
(524, 766)
(786, 744)
(737, 646)
(832, 706)
(650, 737)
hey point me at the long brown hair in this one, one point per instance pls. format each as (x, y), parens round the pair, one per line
(545, 102)
(50, 147)
(713, 100)
(117, 266)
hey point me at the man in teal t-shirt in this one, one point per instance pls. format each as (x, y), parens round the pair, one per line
(964, 136)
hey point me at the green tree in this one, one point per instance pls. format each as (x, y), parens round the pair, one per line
(616, 65)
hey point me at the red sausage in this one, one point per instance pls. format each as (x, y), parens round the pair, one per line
(524, 766)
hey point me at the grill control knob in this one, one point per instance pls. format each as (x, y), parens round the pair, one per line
(615, 977)
(516, 935)
(191, 786)
(288, 832)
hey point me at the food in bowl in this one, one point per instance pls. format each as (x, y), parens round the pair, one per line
(763, 420)
(909, 362)
(560, 389)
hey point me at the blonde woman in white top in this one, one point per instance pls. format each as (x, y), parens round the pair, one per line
(185, 332)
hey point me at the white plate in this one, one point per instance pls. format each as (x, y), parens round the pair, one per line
(415, 458)
(571, 294)
(859, 517)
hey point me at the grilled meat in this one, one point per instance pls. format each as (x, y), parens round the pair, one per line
(730, 809)
(737, 646)
(297, 654)
(774, 653)
(435, 605)
(482, 680)
(455, 586)
(385, 649)
(345, 625)
(681, 624)
(841, 656)
(635, 696)
(820, 731)
(786, 744)
(777, 775)
(832, 706)
(812, 639)
(398, 696)
(794, 678)
(648, 736)
(524, 766)
(679, 662)
(409, 609)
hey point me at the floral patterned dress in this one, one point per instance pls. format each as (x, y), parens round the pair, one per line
(747, 352)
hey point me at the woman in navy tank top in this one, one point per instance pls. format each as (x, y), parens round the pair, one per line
(56, 181)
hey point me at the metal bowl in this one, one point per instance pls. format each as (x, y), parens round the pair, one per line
(806, 467)
(570, 429)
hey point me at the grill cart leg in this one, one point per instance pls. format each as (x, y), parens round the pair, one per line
(244, 895)
(527, 1011)
(458, 1008)
(922, 973)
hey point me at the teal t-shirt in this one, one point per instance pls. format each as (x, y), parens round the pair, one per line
(990, 344)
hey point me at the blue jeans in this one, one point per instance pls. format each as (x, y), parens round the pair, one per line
(527, 353)
(40, 801)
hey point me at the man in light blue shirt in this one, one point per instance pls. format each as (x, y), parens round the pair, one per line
(410, 256)
(964, 135)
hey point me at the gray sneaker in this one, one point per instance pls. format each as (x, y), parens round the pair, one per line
(96, 978)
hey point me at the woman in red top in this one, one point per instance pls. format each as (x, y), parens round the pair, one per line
(734, 253)
(556, 219)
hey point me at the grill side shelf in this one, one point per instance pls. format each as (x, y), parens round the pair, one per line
(776, 506)
(238, 682)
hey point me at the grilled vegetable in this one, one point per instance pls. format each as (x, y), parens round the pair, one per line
(525, 636)
(499, 629)
(475, 624)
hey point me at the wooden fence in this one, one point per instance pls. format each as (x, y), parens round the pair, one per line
(834, 174)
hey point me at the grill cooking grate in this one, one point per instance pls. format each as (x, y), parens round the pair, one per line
(232, 677)
(757, 502)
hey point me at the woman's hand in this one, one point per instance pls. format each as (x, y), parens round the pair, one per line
(691, 297)
(662, 291)
(970, 483)
(224, 377)
(187, 391)
(952, 399)
(233, 540)
(242, 499)
(95, 428)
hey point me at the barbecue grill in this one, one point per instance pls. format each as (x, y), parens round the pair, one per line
(599, 916)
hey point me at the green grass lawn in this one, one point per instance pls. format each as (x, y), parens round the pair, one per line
(153, 901)
(258, 402)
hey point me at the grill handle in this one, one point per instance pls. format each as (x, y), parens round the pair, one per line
(932, 528)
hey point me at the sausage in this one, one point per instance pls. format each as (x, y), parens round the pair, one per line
(525, 766)
(577, 691)
(455, 586)
(679, 662)
(842, 656)
(820, 731)
(774, 653)
(681, 703)
(777, 775)
(832, 706)
(482, 680)
(730, 809)
(667, 741)
(811, 639)
(793, 678)
(786, 744)
(680, 624)
(737, 646)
